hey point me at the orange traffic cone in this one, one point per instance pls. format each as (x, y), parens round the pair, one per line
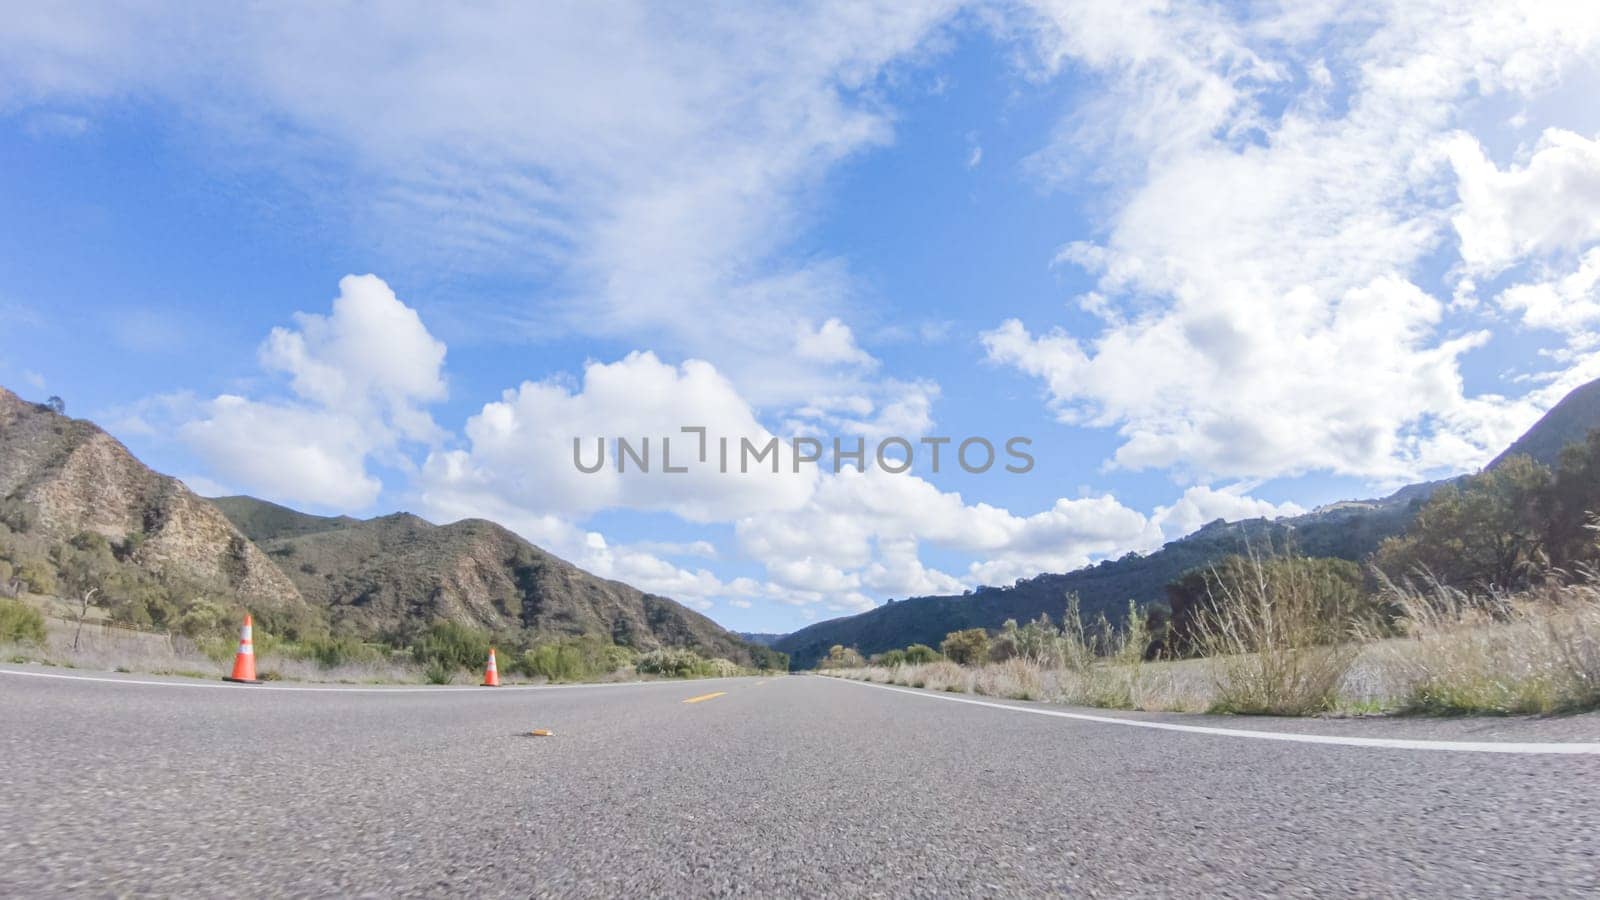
(491, 675)
(244, 662)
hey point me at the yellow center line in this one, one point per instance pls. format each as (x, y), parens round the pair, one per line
(705, 697)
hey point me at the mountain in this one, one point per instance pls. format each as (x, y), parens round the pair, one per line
(73, 478)
(1349, 530)
(70, 492)
(763, 638)
(264, 521)
(392, 575)
(1567, 422)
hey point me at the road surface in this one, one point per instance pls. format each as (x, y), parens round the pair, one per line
(790, 786)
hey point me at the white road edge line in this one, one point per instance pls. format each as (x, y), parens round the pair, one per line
(260, 688)
(1525, 748)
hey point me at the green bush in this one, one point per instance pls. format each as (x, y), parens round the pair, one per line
(18, 515)
(38, 573)
(438, 672)
(674, 662)
(721, 668)
(203, 618)
(968, 647)
(769, 659)
(330, 652)
(453, 646)
(20, 623)
(573, 659)
(921, 654)
(842, 657)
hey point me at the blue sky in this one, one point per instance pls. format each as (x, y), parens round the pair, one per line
(1213, 263)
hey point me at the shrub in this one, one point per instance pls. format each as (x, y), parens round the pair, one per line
(1016, 679)
(966, 647)
(943, 676)
(332, 652)
(1276, 641)
(673, 662)
(769, 659)
(437, 672)
(1533, 652)
(890, 658)
(39, 574)
(1339, 595)
(920, 654)
(20, 623)
(841, 657)
(573, 659)
(721, 668)
(452, 645)
(202, 618)
(18, 515)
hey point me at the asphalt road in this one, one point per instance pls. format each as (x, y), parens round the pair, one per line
(795, 786)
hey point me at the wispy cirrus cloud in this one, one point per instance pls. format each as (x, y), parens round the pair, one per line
(648, 164)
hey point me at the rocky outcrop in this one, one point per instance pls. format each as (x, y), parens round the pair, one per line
(77, 478)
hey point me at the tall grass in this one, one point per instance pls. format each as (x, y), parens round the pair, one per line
(1272, 643)
(1159, 686)
(1098, 665)
(1536, 651)
(1275, 644)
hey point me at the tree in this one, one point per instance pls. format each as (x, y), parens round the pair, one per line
(1004, 644)
(889, 659)
(1489, 531)
(967, 647)
(842, 657)
(56, 405)
(85, 564)
(1574, 499)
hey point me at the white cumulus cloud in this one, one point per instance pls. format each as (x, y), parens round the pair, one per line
(360, 378)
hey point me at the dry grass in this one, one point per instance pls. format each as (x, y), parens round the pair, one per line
(1533, 652)
(1273, 645)
(1177, 687)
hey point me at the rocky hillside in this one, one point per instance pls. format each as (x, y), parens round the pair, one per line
(73, 497)
(73, 478)
(1350, 530)
(391, 576)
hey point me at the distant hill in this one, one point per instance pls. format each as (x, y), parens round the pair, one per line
(763, 638)
(1567, 422)
(1350, 530)
(264, 521)
(1346, 530)
(392, 575)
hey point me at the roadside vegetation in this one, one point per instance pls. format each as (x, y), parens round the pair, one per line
(1488, 603)
(51, 631)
